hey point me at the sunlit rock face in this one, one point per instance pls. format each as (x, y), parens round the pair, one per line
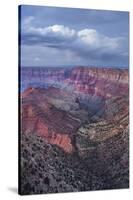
(100, 82)
(40, 115)
(92, 86)
(81, 113)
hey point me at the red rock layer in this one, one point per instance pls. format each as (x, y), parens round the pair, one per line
(56, 125)
(39, 117)
(100, 82)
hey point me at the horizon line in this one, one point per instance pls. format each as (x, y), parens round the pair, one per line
(73, 66)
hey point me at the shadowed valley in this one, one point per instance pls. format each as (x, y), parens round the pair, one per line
(74, 126)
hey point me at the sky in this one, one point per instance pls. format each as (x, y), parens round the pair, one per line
(52, 36)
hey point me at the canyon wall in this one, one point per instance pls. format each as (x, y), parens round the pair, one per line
(56, 114)
(74, 129)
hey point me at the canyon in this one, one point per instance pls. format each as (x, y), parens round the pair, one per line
(74, 129)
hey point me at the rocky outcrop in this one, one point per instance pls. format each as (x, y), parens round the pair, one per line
(46, 168)
(100, 82)
(42, 77)
(54, 113)
(42, 115)
(82, 116)
(94, 81)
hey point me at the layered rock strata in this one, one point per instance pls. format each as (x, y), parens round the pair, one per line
(82, 114)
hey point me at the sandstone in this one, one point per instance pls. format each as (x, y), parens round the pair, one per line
(75, 127)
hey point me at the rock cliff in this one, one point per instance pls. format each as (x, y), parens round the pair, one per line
(83, 114)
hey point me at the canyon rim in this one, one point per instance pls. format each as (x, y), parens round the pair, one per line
(73, 100)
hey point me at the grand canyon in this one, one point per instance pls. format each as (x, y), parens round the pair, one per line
(74, 129)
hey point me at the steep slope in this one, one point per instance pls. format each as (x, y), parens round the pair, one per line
(83, 114)
(95, 95)
(43, 113)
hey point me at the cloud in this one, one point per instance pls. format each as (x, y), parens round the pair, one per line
(86, 43)
(47, 36)
(27, 21)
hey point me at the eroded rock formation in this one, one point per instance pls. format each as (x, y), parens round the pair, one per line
(81, 115)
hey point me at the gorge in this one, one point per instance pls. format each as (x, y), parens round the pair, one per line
(74, 129)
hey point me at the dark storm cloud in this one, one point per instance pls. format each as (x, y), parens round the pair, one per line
(84, 34)
(77, 18)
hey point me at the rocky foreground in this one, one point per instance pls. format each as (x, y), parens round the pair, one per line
(74, 130)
